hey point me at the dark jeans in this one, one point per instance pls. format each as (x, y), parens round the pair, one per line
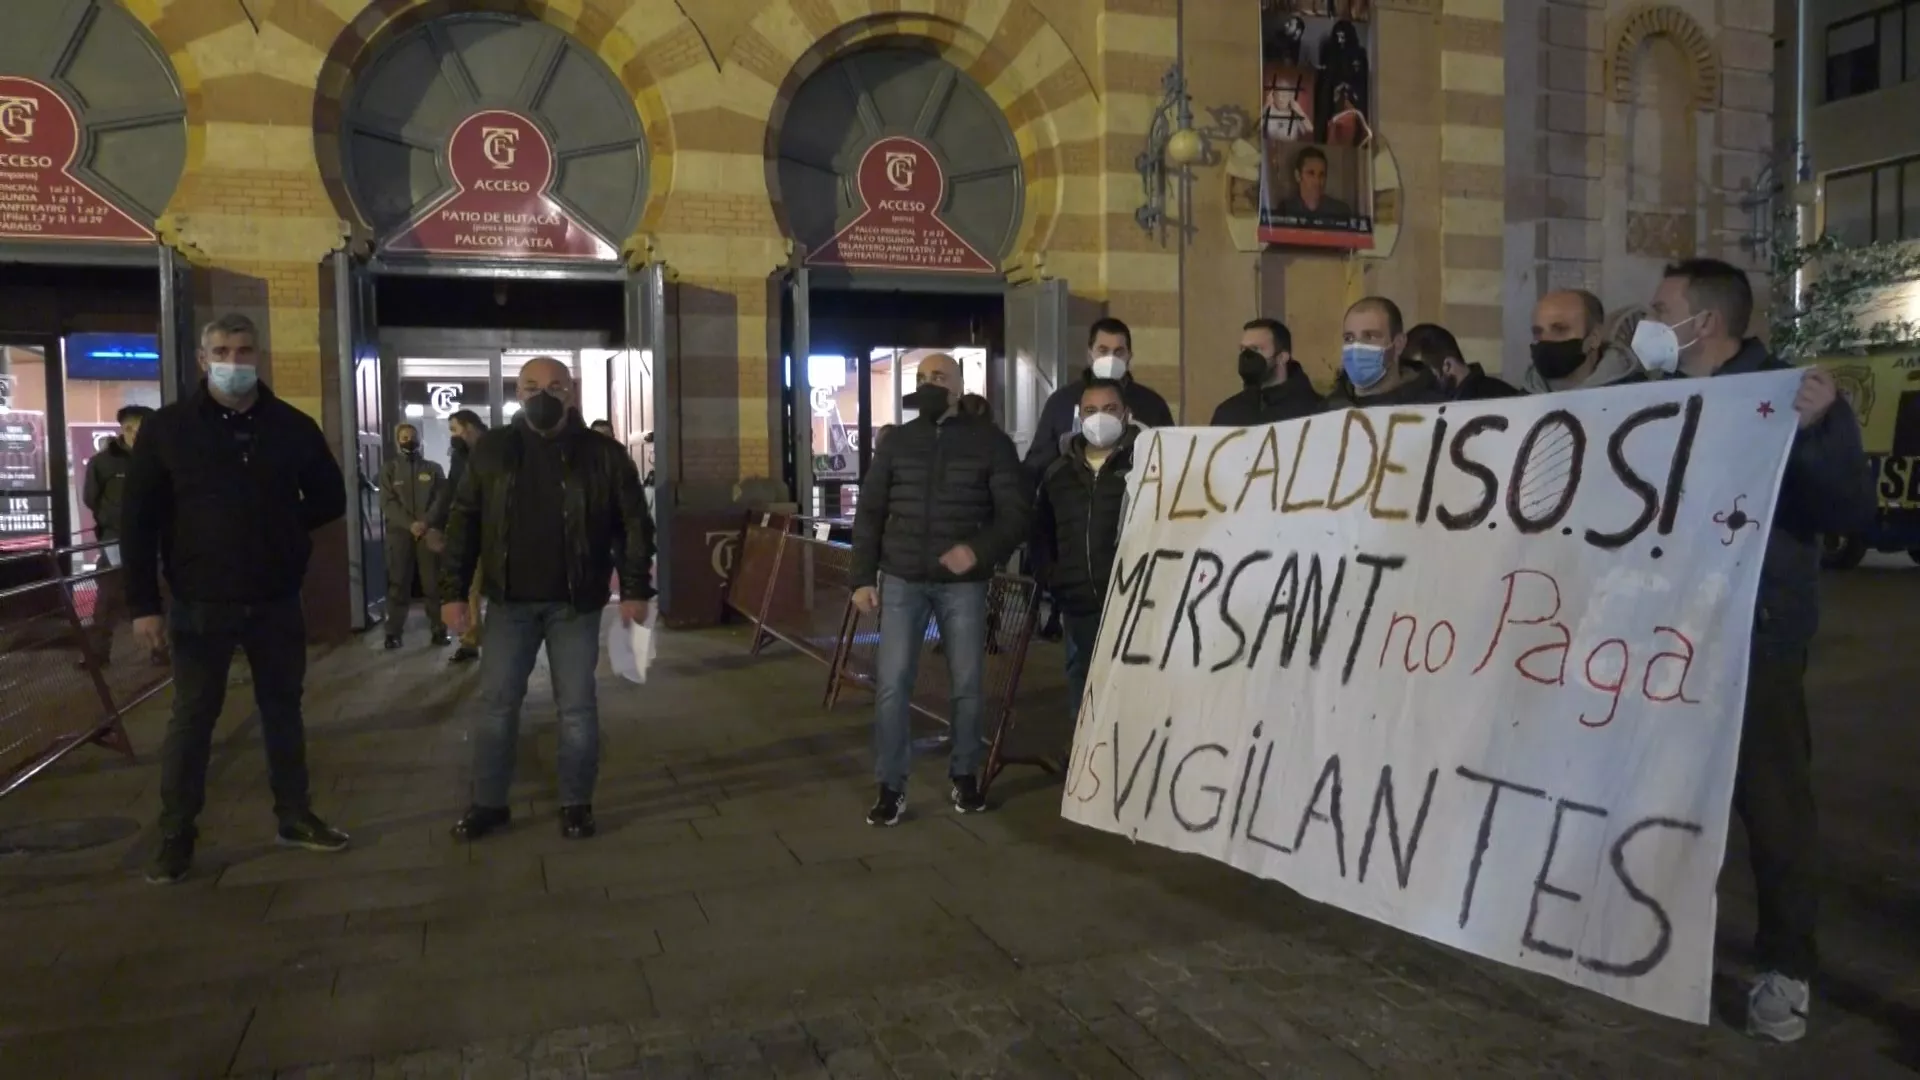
(514, 633)
(905, 607)
(1773, 794)
(205, 636)
(1081, 633)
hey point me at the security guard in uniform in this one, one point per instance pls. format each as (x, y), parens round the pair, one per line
(409, 485)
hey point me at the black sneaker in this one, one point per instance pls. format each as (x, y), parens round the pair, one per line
(966, 795)
(576, 822)
(392, 642)
(465, 654)
(889, 808)
(481, 820)
(308, 831)
(441, 637)
(172, 861)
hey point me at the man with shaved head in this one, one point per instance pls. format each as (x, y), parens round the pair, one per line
(944, 503)
(1373, 342)
(1570, 350)
(544, 511)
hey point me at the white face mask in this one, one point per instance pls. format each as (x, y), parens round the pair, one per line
(1109, 367)
(1658, 346)
(1102, 429)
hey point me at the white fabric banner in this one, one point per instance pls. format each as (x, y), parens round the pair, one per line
(1475, 670)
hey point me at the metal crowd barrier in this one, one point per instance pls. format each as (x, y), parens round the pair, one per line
(790, 583)
(70, 667)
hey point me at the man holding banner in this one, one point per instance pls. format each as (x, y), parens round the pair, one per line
(1827, 488)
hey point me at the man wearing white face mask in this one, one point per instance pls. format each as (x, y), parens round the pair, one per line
(229, 484)
(1373, 336)
(1109, 356)
(1697, 327)
(1082, 500)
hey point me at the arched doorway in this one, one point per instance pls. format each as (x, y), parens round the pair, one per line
(498, 166)
(93, 318)
(896, 174)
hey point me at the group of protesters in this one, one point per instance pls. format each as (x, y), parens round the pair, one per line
(947, 502)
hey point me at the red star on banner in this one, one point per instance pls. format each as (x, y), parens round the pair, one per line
(1765, 410)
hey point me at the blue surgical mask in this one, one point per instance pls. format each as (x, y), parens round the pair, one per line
(233, 380)
(1364, 364)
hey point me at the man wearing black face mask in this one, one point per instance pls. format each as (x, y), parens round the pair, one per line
(1569, 351)
(544, 512)
(409, 487)
(1277, 387)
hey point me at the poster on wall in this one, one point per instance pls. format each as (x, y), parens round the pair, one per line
(1475, 671)
(26, 511)
(502, 205)
(1316, 123)
(40, 197)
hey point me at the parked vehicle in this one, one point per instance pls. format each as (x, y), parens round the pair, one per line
(1884, 390)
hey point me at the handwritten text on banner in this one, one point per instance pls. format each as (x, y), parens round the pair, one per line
(1475, 671)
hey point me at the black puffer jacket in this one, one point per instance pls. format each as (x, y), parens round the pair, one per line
(1828, 488)
(935, 484)
(1059, 415)
(1077, 527)
(605, 508)
(1418, 388)
(1252, 407)
(1480, 386)
(231, 526)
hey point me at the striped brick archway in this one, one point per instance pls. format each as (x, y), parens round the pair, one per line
(384, 20)
(1010, 50)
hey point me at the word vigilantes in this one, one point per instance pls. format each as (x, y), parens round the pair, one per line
(1473, 670)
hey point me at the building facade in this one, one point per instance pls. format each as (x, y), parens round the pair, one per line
(349, 172)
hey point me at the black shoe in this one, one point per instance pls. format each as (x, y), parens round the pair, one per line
(393, 641)
(576, 822)
(172, 861)
(481, 820)
(966, 795)
(465, 654)
(440, 637)
(889, 808)
(307, 831)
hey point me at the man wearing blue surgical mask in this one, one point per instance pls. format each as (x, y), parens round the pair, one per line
(1372, 338)
(230, 483)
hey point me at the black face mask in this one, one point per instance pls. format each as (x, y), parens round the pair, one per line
(544, 411)
(1254, 367)
(1558, 359)
(408, 447)
(931, 400)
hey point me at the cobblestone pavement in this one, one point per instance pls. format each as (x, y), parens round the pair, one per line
(735, 919)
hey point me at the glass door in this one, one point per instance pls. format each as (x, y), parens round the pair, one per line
(31, 510)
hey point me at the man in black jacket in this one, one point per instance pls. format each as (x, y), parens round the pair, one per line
(104, 493)
(944, 502)
(1077, 521)
(1109, 356)
(226, 489)
(1698, 323)
(1570, 350)
(1277, 387)
(544, 508)
(1372, 372)
(1436, 351)
(465, 427)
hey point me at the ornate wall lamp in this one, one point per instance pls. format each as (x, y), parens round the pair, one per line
(1174, 147)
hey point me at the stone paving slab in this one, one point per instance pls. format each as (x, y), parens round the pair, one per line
(736, 919)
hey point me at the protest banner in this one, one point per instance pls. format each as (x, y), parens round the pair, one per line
(1475, 671)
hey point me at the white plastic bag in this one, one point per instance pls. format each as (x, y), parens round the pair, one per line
(630, 649)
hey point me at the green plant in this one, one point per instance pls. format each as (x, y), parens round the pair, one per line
(1844, 295)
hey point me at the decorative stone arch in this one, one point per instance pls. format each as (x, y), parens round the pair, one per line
(1014, 54)
(1663, 20)
(386, 20)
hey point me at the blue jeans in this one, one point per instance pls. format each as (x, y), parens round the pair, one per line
(1082, 631)
(515, 630)
(961, 611)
